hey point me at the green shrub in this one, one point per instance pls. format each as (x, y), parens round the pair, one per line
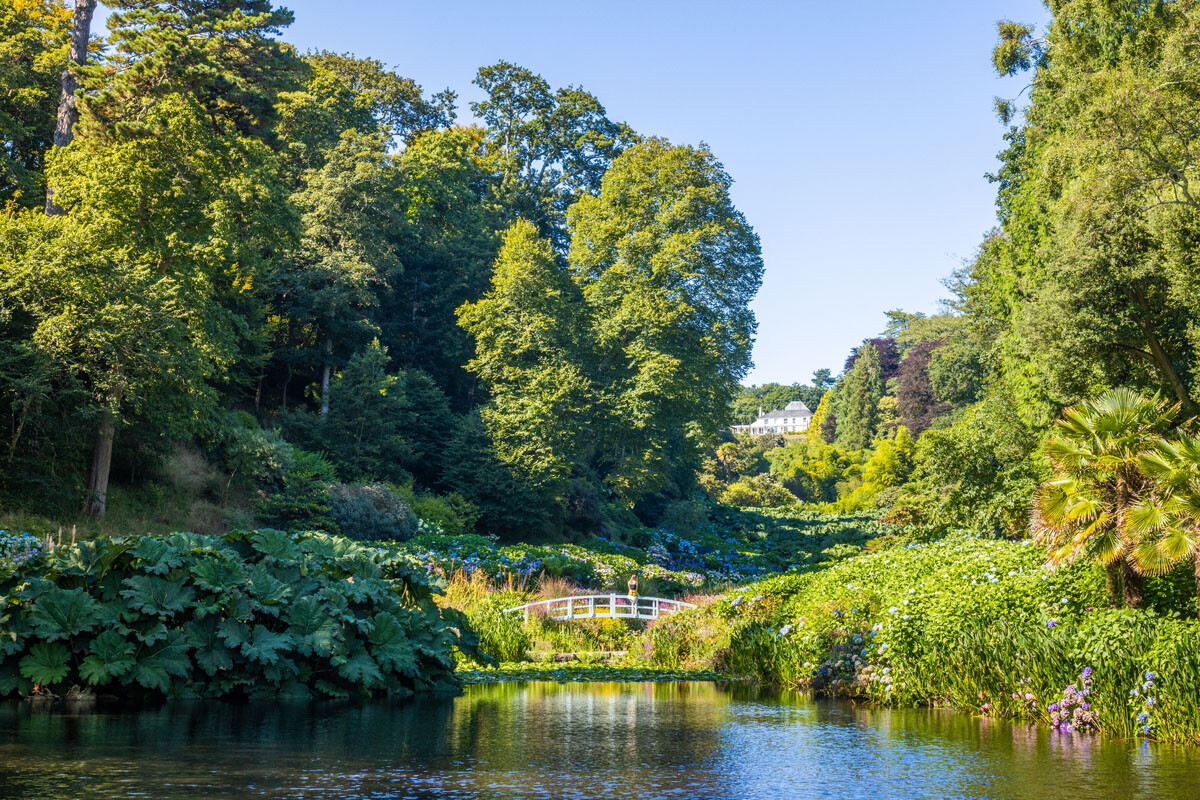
(452, 514)
(303, 501)
(255, 613)
(371, 512)
(757, 491)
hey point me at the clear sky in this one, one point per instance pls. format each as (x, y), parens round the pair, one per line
(857, 134)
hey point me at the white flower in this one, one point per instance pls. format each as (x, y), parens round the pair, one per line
(893, 610)
(906, 617)
(912, 591)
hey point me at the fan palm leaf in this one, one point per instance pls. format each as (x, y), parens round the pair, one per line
(1090, 507)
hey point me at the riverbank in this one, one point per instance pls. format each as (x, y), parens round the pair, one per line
(980, 626)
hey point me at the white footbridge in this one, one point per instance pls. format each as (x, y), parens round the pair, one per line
(601, 606)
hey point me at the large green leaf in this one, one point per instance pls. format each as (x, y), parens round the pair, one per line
(90, 558)
(216, 573)
(234, 633)
(154, 595)
(265, 587)
(46, 664)
(156, 556)
(390, 645)
(311, 627)
(12, 681)
(210, 653)
(111, 656)
(275, 544)
(62, 613)
(266, 645)
(360, 668)
(155, 664)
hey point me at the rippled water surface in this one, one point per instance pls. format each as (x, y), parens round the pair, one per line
(544, 740)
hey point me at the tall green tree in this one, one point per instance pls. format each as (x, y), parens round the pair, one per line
(550, 146)
(225, 56)
(1089, 283)
(448, 240)
(668, 267)
(858, 397)
(327, 287)
(165, 233)
(533, 355)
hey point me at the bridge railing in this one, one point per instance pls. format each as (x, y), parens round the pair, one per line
(602, 606)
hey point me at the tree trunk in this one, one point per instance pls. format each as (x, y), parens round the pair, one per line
(1161, 359)
(1196, 570)
(1133, 586)
(325, 373)
(1113, 572)
(96, 502)
(68, 113)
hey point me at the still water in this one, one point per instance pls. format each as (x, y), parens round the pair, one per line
(545, 740)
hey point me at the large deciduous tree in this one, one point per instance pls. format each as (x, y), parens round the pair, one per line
(668, 267)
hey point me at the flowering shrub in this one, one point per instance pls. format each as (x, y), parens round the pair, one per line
(1074, 711)
(969, 623)
(17, 552)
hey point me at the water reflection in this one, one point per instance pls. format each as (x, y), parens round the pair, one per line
(544, 740)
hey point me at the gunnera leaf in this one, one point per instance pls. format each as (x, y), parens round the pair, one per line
(154, 595)
(155, 664)
(156, 556)
(389, 644)
(61, 613)
(266, 645)
(216, 573)
(311, 628)
(275, 544)
(46, 664)
(111, 656)
(265, 587)
(360, 668)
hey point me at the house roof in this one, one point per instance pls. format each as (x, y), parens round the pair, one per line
(793, 409)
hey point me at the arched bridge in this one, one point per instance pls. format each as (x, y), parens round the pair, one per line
(602, 606)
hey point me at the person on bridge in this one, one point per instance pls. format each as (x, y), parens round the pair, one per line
(633, 586)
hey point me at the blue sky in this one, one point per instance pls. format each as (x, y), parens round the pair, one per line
(857, 134)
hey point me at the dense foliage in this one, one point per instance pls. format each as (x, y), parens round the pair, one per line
(298, 271)
(975, 624)
(251, 614)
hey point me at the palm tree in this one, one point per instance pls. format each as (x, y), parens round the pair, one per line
(1083, 511)
(1167, 521)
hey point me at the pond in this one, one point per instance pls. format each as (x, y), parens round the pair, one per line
(548, 740)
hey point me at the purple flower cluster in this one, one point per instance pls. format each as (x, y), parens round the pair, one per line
(1148, 700)
(1074, 712)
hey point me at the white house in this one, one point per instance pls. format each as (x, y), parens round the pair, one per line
(792, 419)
